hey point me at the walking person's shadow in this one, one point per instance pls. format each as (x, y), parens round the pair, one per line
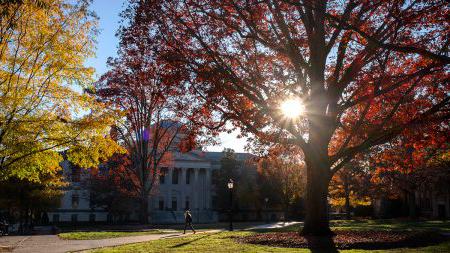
(191, 241)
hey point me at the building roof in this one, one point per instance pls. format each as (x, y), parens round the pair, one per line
(188, 156)
(217, 156)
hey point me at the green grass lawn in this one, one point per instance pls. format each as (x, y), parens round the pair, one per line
(156, 229)
(224, 242)
(106, 234)
(393, 225)
(219, 225)
(390, 225)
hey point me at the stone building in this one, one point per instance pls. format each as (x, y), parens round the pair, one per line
(431, 200)
(187, 184)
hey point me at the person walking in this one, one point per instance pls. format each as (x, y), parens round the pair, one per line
(188, 221)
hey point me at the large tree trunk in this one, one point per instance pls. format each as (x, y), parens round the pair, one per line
(144, 210)
(318, 178)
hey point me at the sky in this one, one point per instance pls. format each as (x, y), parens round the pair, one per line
(108, 13)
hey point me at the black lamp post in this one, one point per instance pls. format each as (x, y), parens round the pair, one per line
(230, 187)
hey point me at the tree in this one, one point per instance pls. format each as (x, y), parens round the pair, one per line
(282, 178)
(351, 186)
(154, 123)
(243, 174)
(43, 45)
(112, 188)
(408, 162)
(27, 200)
(365, 71)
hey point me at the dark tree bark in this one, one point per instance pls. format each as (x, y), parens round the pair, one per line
(144, 210)
(316, 221)
(318, 178)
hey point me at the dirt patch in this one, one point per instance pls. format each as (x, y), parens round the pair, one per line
(347, 239)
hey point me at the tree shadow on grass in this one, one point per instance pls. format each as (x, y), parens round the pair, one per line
(321, 244)
(189, 242)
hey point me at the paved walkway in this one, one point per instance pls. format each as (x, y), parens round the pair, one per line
(53, 244)
(280, 224)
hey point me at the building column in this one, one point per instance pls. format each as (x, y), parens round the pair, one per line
(182, 176)
(195, 191)
(168, 195)
(183, 188)
(169, 175)
(208, 189)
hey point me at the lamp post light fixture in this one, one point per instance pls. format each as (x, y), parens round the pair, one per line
(230, 184)
(230, 187)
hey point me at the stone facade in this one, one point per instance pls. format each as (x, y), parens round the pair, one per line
(434, 201)
(75, 203)
(430, 201)
(186, 184)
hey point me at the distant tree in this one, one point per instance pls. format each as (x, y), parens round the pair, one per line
(112, 188)
(229, 169)
(406, 163)
(27, 200)
(43, 46)
(351, 186)
(242, 172)
(246, 191)
(366, 71)
(282, 178)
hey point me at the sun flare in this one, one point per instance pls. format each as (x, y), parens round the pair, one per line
(292, 108)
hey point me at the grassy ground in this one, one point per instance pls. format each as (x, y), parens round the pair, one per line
(389, 225)
(442, 226)
(219, 225)
(223, 242)
(106, 234)
(91, 233)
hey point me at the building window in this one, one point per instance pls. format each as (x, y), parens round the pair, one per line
(56, 218)
(174, 203)
(74, 218)
(188, 176)
(175, 176)
(92, 217)
(76, 174)
(75, 200)
(162, 175)
(161, 204)
(187, 203)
